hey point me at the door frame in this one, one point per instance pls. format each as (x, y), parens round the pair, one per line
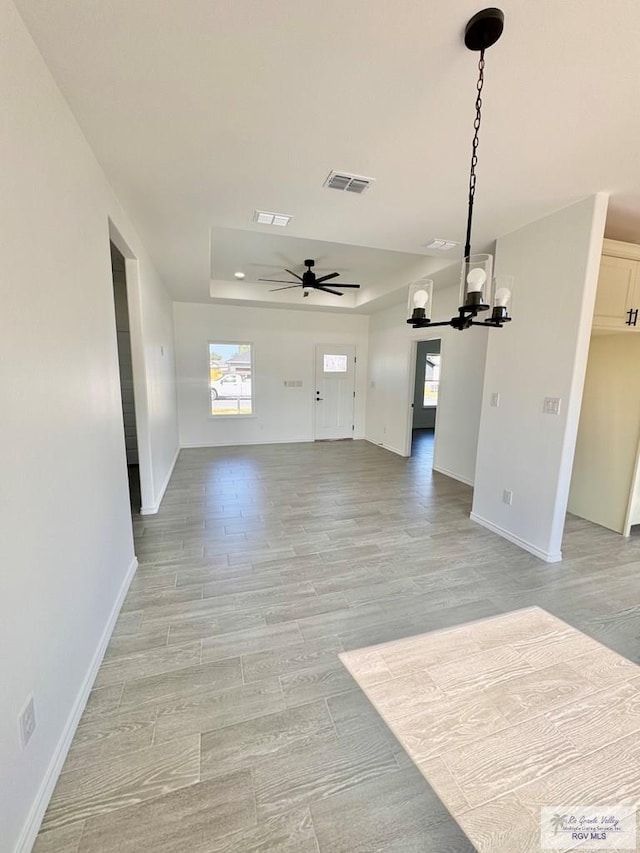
(631, 505)
(411, 389)
(140, 394)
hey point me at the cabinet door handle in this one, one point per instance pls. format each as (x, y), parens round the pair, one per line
(633, 317)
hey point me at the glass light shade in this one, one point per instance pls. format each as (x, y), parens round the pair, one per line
(476, 281)
(503, 297)
(420, 300)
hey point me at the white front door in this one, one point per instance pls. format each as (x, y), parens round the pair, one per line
(335, 391)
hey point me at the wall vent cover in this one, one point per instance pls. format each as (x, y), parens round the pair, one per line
(348, 183)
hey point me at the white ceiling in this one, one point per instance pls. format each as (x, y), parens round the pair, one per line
(201, 111)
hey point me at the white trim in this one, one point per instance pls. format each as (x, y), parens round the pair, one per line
(386, 447)
(305, 440)
(635, 488)
(466, 480)
(234, 417)
(152, 510)
(521, 543)
(31, 827)
(138, 361)
(618, 249)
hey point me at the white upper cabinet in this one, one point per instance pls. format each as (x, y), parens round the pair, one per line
(618, 298)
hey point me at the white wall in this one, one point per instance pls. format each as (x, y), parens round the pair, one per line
(154, 367)
(66, 546)
(542, 353)
(284, 342)
(607, 444)
(390, 392)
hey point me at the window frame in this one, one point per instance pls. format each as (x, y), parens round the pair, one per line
(228, 415)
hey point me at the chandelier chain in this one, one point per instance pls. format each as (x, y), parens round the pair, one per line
(474, 151)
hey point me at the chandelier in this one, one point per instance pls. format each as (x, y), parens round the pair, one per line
(476, 279)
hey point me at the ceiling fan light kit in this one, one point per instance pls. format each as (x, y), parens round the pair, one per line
(476, 278)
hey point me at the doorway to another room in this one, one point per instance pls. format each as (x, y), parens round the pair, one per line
(425, 400)
(125, 364)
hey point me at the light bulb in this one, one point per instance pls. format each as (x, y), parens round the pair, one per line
(239, 275)
(476, 280)
(503, 295)
(420, 298)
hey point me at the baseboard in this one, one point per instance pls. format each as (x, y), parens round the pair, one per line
(32, 825)
(386, 447)
(521, 543)
(301, 440)
(466, 480)
(305, 440)
(152, 510)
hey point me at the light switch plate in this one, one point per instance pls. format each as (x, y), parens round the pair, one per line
(551, 406)
(495, 400)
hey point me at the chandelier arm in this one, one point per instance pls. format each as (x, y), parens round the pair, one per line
(474, 154)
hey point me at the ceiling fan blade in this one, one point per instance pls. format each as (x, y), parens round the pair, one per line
(276, 289)
(326, 277)
(328, 290)
(340, 284)
(291, 272)
(278, 281)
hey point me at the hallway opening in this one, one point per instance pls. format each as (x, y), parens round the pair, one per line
(125, 364)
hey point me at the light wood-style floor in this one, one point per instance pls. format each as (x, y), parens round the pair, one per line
(222, 719)
(510, 715)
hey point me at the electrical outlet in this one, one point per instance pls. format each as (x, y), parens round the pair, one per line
(495, 400)
(507, 497)
(27, 722)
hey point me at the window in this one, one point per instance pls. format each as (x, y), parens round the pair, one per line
(334, 363)
(230, 379)
(431, 380)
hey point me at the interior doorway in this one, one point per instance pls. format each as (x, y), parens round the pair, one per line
(125, 364)
(335, 392)
(425, 399)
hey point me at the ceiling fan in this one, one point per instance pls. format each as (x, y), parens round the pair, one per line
(308, 279)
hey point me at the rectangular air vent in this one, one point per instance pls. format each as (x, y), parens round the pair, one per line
(264, 217)
(441, 245)
(349, 183)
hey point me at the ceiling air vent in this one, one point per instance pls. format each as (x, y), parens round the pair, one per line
(350, 183)
(265, 217)
(441, 245)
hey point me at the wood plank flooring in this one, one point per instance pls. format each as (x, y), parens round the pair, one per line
(511, 739)
(222, 718)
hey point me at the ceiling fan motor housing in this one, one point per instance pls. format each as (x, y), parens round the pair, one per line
(308, 277)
